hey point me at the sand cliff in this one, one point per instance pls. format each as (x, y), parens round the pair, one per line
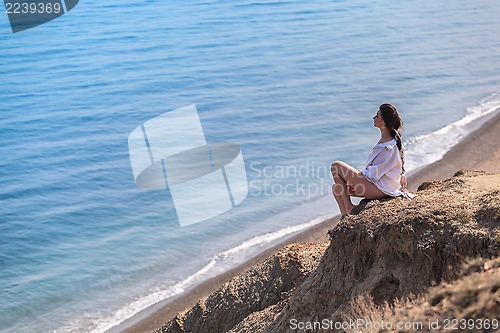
(388, 260)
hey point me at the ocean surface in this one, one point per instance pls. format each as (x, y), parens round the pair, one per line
(294, 83)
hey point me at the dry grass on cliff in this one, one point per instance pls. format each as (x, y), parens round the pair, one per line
(473, 301)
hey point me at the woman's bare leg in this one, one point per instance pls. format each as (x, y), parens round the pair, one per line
(345, 177)
(340, 191)
(339, 200)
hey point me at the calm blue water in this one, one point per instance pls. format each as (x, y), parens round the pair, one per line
(295, 84)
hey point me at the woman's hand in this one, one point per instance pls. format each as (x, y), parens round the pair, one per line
(350, 190)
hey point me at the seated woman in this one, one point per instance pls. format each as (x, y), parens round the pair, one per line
(384, 172)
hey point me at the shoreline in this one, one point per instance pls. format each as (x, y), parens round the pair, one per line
(475, 151)
(152, 318)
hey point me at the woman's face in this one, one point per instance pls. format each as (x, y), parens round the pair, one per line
(378, 121)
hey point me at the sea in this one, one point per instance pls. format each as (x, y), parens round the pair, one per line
(294, 84)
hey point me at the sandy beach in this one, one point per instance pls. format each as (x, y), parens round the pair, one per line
(477, 151)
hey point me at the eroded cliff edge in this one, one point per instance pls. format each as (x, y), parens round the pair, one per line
(390, 250)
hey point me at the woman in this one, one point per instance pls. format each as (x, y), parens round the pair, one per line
(384, 172)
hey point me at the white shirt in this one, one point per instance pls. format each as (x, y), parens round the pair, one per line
(384, 167)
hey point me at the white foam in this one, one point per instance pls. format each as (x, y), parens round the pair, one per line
(428, 148)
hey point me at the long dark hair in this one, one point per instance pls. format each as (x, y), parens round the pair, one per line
(394, 122)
